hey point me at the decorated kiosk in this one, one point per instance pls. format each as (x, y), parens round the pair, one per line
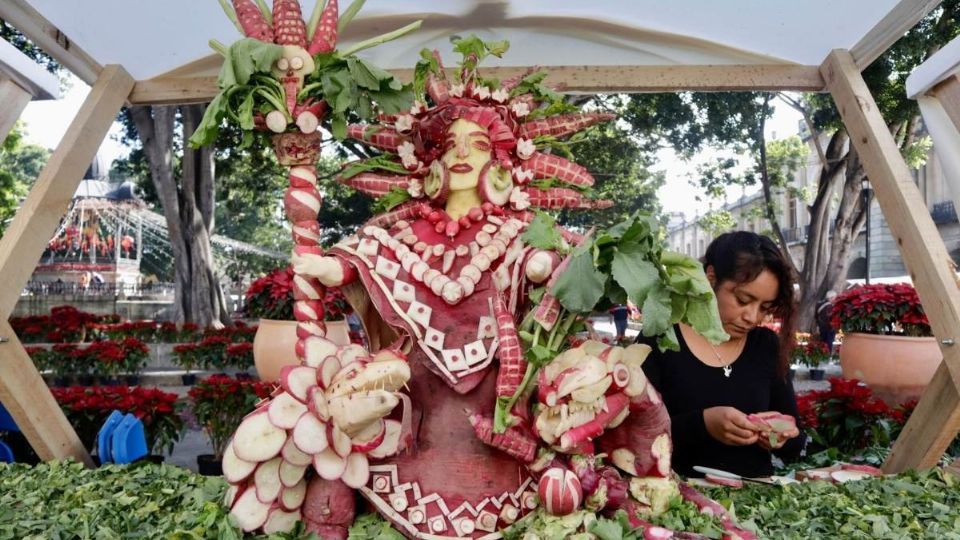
(470, 408)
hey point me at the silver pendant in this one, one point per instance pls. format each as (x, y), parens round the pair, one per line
(727, 370)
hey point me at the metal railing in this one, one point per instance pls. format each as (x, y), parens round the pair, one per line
(48, 288)
(794, 234)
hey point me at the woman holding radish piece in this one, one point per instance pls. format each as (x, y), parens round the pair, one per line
(723, 399)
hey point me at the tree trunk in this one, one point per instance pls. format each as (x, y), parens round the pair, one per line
(188, 209)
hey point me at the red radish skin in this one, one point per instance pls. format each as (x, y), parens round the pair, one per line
(554, 198)
(328, 369)
(302, 204)
(288, 23)
(329, 508)
(723, 481)
(256, 439)
(329, 465)
(235, 470)
(642, 441)
(310, 435)
(512, 364)
(382, 138)
(560, 491)
(562, 125)
(377, 185)
(307, 310)
(370, 438)
(324, 38)
(285, 410)
(252, 21)
(616, 403)
(391, 440)
(407, 210)
(249, 512)
(267, 480)
(862, 468)
(513, 441)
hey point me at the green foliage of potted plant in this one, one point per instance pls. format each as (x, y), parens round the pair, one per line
(219, 403)
(887, 339)
(813, 354)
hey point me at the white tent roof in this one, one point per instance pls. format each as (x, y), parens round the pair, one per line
(18, 67)
(151, 38)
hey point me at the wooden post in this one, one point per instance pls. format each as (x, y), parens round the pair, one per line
(22, 390)
(936, 420)
(14, 99)
(947, 93)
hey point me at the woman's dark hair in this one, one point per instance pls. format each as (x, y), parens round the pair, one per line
(740, 257)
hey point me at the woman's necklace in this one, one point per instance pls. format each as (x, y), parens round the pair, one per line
(727, 367)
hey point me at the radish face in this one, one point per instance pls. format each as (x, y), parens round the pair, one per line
(495, 183)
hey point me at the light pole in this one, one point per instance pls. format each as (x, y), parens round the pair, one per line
(866, 192)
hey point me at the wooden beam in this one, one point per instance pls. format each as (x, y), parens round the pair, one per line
(947, 93)
(921, 247)
(32, 406)
(48, 37)
(14, 99)
(38, 218)
(891, 27)
(572, 80)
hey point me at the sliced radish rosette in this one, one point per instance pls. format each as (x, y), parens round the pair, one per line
(495, 183)
(436, 184)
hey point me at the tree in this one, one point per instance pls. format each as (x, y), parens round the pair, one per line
(691, 122)
(20, 163)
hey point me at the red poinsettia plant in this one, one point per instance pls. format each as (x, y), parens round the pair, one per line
(271, 297)
(884, 309)
(220, 402)
(847, 416)
(813, 353)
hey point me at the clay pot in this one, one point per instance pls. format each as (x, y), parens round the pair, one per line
(897, 367)
(275, 341)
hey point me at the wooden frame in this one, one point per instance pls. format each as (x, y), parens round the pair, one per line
(937, 417)
(14, 99)
(22, 390)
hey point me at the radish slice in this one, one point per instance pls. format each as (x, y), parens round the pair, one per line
(357, 471)
(317, 404)
(267, 480)
(294, 455)
(848, 476)
(231, 496)
(391, 441)
(370, 437)
(310, 434)
(621, 375)
(862, 468)
(495, 183)
(654, 532)
(388, 354)
(338, 440)
(436, 184)
(281, 521)
(316, 349)
(235, 470)
(297, 380)
(285, 410)
(291, 474)
(327, 370)
(723, 481)
(329, 465)
(257, 439)
(249, 512)
(292, 498)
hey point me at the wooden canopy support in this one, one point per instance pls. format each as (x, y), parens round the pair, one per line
(896, 23)
(22, 390)
(936, 419)
(571, 79)
(14, 99)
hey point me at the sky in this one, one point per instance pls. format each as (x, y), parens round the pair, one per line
(47, 121)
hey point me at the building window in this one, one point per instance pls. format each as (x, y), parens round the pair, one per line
(688, 249)
(792, 213)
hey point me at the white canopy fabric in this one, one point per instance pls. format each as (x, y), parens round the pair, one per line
(27, 74)
(150, 38)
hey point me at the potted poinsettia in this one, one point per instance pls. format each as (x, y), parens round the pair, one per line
(219, 403)
(887, 339)
(813, 354)
(271, 299)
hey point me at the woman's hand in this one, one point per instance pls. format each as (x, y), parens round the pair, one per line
(764, 439)
(730, 426)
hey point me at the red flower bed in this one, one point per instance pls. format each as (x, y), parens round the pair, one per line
(848, 416)
(885, 309)
(87, 409)
(271, 297)
(64, 324)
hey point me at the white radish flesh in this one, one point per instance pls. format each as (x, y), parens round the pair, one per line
(231, 496)
(327, 370)
(292, 498)
(276, 121)
(235, 470)
(249, 513)
(257, 439)
(281, 521)
(290, 474)
(848, 476)
(621, 375)
(391, 441)
(357, 471)
(316, 349)
(267, 480)
(285, 410)
(352, 353)
(307, 122)
(297, 380)
(294, 455)
(339, 440)
(310, 434)
(329, 465)
(370, 437)
(317, 403)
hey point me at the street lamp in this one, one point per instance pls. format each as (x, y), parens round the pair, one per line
(866, 192)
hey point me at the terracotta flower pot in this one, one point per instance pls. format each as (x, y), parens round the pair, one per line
(275, 341)
(898, 367)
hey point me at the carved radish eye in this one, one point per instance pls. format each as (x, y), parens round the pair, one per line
(283, 64)
(296, 62)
